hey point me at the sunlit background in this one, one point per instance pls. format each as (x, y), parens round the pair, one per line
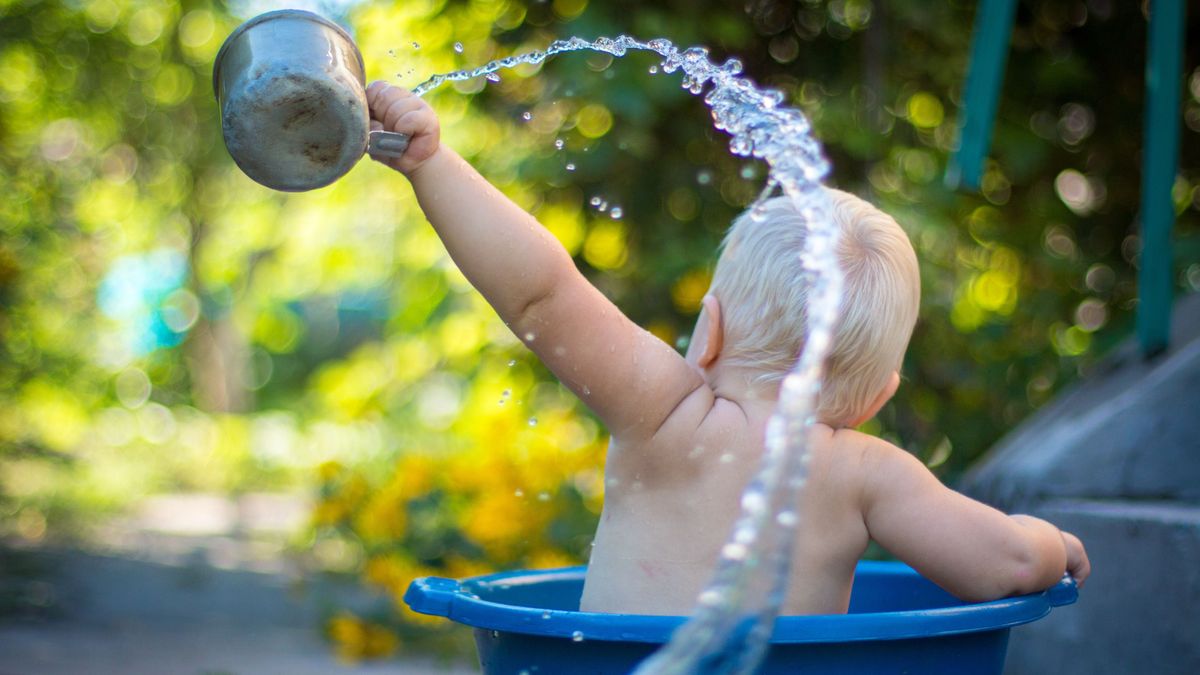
(170, 328)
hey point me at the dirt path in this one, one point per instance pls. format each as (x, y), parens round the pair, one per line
(161, 603)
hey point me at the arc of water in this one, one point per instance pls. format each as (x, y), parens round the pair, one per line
(727, 633)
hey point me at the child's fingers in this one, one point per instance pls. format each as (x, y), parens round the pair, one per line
(415, 122)
(375, 87)
(381, 96)
(377, 91)
(398, 109)
(1083, 569)
(1078, 564)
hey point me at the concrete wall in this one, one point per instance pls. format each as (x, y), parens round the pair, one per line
(1139, 611)
(1115, 460)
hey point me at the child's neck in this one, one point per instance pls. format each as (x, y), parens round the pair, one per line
(741, 384)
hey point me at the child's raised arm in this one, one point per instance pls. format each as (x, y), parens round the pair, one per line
(968, 548)
(631, 379)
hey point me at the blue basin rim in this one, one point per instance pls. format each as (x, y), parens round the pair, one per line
(459, 601)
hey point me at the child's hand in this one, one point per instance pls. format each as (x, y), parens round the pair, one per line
(1077, 561)
(397, 109)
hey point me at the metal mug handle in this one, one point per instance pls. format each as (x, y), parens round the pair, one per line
(386, 144)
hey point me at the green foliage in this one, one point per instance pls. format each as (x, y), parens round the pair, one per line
(330, 325)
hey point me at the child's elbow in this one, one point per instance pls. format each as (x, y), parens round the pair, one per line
(1033, 579)
(1017, 573)
(1034, 569)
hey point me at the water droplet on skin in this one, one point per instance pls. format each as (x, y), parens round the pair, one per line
(748, 172)
(577, 636)
(704, 177)
(754, 502)
(653, 70)
(616, 213)
(529, 337)
(533, 421)
(559, 143)
(595, 201)
(512, 362)
(586, 391)
(526, 115)
(726, 458)
(570, 167)
(458, 47)
(734, 551)
(603, 207)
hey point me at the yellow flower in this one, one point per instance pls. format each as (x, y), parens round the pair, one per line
(357, 639)
(387, 571)
(329, 512)
(354, 489)
(415, 475)
(502, 522)
(383, 518)
(328, 471)
(458, 567)
(550, 558)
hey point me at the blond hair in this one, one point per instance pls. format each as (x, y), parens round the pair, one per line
(759, 281)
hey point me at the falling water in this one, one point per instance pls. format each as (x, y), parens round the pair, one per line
(730, 627)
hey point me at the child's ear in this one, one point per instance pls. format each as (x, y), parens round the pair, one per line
(885, 395)
(714, 337)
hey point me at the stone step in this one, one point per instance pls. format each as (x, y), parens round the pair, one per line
(1140, 610)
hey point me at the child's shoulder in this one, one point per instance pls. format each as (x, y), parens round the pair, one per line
(853, 454)
(849, 441)
(704, 430)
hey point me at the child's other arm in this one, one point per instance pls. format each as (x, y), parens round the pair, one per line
(968, 548)
(631, 379)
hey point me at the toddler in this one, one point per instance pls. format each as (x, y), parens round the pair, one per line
(687, 432)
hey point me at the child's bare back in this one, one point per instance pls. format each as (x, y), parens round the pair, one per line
(660, 536)
(687, 431)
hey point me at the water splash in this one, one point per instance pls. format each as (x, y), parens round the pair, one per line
(731, 625)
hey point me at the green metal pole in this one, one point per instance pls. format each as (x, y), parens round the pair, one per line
(1164, 65)
(985, 74)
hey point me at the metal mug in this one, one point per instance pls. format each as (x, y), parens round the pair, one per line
(291, 88)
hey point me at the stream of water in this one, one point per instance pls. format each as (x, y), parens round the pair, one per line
(730, 627)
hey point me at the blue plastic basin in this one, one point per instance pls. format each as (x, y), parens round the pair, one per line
(899, 622)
